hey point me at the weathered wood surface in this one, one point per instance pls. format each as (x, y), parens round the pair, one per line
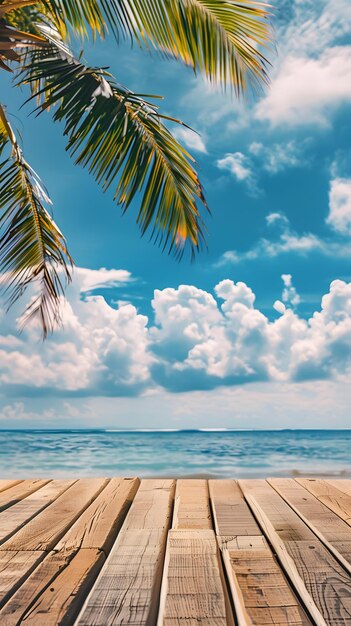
(332, 494)
(23, 511)
(334, 533)
(100, 552)
(127, 590)
(318, 578)
(193, 582)
(260, 591)
(19, 491)
(57, 588)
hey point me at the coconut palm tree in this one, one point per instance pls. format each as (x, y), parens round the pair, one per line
(120, 136)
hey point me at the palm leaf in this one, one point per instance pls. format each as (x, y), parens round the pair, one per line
(95, 17)
(12, 38)
(220, 38)
(122, 140)
(32, 250)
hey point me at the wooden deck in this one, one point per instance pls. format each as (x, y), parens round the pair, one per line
(99, 552)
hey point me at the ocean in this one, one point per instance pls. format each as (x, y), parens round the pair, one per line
(217, 453)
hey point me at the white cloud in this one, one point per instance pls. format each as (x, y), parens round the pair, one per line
(201, 345)
(241, 168)
(99, 350)
(276, 218)
(271, 159)
(278, 156)
(237, 164)
(279, 306)
(312, 26)
(339, 216)
(17, 411)
(306, 90)
(191, 139)
(89, 279)
(197, 341)
(289, 295)
(288, 242)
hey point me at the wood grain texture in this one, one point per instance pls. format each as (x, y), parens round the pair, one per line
(334, 533)
(98, 526)
(192, 505)
(193, 585)
(17, 492)
(231, 514)
(343, 484)
(127, 589)
(331, 495)
(47, 528)
(63, 599)
(318, 578)
(100, 552)
(13, 518)
(56, 590)
(28, 592)
(15, 567)
(6, 484)
(259, 589)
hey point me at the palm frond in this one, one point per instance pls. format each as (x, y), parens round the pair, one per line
(96, 17)
(32, 249)
(121, 138)
(223, 39)
(12, 38)
(220, 38)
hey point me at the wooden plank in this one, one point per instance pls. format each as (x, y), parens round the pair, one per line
(13, 518)
(57, 588)
(330, 494)
(192, 505)
(231, 514)
(14, 569)
(18, 491)
(41, 533)
(127, 589)
(260, 591)
(319, 580)
(343, 484)
(6, 484)
(47, 528)
(66, 580)
(193, 585)
(98, 526)
(329, 528)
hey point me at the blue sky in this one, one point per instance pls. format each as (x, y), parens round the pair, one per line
(256, 332)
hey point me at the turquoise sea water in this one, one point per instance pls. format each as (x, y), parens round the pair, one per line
(222, 453)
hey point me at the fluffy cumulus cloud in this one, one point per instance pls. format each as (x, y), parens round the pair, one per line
(197, 340)
(312, 77)
(99, 349)
(339, 216)
(306, 90)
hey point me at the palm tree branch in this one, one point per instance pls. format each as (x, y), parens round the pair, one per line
(32, 249)
(222, 39)
(121, 139)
